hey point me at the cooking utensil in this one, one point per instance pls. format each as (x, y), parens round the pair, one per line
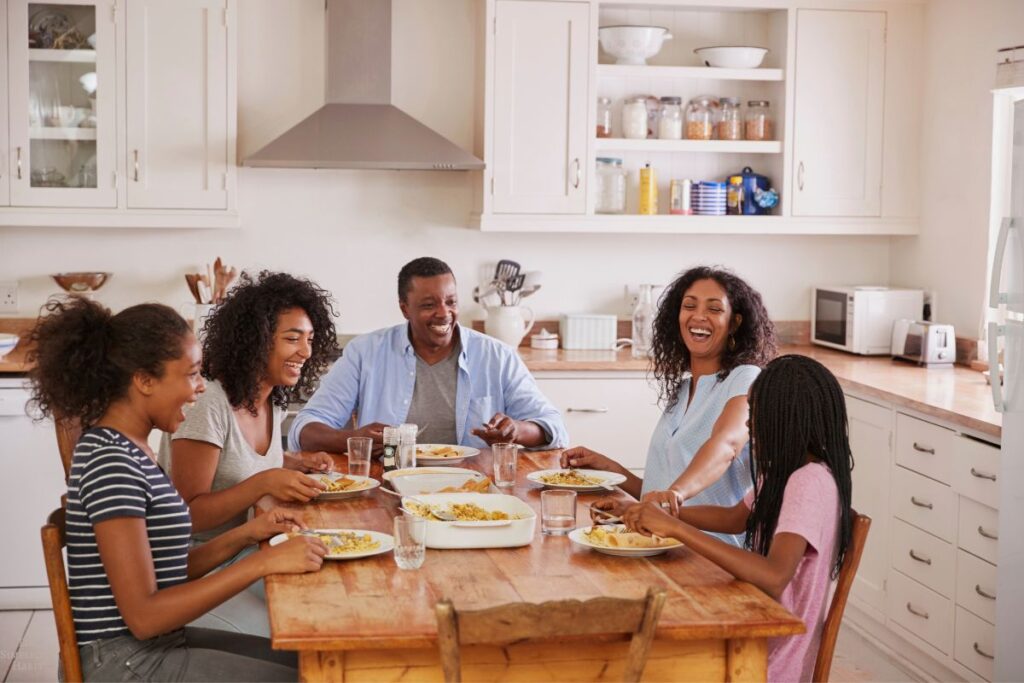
(505, 270)
(191, 280)
(440, 513)
(607, 516)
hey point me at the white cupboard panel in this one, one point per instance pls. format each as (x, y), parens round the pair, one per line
(926, 504)
(5, 182)
(976, 471)
(976, 585)
(924, 558)
(925, 448)
(921, 611)
(975, 644)
(979, 530)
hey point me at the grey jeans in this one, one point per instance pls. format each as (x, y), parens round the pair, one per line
(188, 654)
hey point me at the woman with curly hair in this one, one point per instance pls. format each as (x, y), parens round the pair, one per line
(712, 336)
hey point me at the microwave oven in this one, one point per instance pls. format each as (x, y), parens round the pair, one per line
(860, 319)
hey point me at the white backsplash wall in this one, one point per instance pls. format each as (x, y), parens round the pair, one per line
(352, 230)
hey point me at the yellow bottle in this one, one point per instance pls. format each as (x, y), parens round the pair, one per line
(648, 192)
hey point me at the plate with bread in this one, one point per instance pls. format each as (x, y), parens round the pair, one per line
(616, 539)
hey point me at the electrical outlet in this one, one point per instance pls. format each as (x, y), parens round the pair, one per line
(8, 297)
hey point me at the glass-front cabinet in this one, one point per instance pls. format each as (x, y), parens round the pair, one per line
(61, 104)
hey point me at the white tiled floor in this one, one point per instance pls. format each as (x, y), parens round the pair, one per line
(28, 653)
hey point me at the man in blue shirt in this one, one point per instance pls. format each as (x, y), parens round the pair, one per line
(459, 386)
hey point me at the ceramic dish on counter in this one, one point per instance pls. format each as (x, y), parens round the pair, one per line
(617, 540)
(7, 344)
(517, 530)
(341, 486)
(437, 453)
(417, 481)
(732, 57)
(577, 480)
(346, 544)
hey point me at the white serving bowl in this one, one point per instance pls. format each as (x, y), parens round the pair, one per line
(632, 44)
(732, 57)
(7, 344)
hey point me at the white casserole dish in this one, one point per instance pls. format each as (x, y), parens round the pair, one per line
(419, 484)
(511, 533)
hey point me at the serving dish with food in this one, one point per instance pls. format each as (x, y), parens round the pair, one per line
(620, 541)
(481, 520)
(576, 479)
(341, 486)
(345, 544)
(436, 453)
(442, 481)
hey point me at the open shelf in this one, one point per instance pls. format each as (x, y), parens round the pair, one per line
(53, 133)
(720, 146)
(40, 55)
(696, 72)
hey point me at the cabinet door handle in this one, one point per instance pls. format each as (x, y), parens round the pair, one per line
(982, 652)
(977, 589)
(915, 556)
(800, 176)
(981, 531)
(923, 449)
(982, 475)
(135, 177)
(19, 163)
(922, 504)
(586, 410)
(910, 608)
(579, 170)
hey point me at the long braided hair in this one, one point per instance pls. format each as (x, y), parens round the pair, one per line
(796, 409)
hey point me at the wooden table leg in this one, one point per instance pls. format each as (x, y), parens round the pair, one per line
(321, 667)
(746, 659)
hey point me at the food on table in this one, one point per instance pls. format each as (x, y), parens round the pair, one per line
(342, 542)
(571, 478)
(619, 537)
(438, 452)
(463, 512)
(471, 485)
(342, 484)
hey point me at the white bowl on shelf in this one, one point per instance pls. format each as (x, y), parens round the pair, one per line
(7, 344)
(732, 57)
(632, 44)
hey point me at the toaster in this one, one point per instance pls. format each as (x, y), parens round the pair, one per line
(924, 343)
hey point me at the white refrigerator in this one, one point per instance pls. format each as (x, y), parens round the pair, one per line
(1006, 334)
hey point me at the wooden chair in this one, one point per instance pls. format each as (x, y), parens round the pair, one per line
(513, 622)
(830, 629)
(68, 432)
(54, 540)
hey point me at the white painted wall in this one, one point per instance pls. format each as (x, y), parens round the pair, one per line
(352, 230)
(950, 255)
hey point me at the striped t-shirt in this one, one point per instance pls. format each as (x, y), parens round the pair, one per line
(110, 478)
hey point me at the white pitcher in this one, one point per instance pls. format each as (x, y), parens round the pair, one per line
(508, 323)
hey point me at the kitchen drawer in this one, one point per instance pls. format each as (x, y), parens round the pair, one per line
(975, 643)
(921, 611)
(924, 558)
(924, 447)
(925, 503)
(976, 585)
(978, 529)
(975, 471)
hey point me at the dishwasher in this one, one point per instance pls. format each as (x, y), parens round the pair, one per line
(31, 484)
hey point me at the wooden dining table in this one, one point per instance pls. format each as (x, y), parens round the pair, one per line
(367, 620)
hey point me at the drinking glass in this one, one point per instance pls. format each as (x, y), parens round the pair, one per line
(359, 449)
(410, 541)
(557, 511)
(505, 457)
(406, 455)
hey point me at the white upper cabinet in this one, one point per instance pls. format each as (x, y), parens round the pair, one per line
(838, 113)
(177, 104)
(540, 106)
(5, 184)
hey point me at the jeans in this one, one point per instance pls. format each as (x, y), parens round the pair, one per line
(188, 654)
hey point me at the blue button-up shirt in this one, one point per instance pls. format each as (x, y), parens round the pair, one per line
(376, 375)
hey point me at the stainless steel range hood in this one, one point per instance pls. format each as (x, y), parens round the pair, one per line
(358, 127)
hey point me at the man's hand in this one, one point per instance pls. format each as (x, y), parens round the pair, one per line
(499, 429)
(375, 431)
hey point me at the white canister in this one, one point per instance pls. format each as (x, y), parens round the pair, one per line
(544, 340)
(508, 323)
(634, 118)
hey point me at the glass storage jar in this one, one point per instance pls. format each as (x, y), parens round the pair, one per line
(700, 118)
(670, 119)
(730, 120)
(604, 117)
(634, 118)
(760, 125)
(611, 186)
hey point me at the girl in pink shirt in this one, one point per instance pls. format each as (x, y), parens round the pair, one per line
(798, 520)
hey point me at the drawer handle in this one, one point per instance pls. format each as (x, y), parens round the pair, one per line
(910, 608)
(923, 449)
(982, 652)
(982, 475)
(586, 410)
(977, 589)
(920, 504)
(915, 556)
(981, 530)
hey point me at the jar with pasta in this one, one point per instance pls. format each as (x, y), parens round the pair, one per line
(634, 118)
(759, 123)
(730, 121)
(700, 118)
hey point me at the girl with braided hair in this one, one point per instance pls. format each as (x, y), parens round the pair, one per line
(797, 518)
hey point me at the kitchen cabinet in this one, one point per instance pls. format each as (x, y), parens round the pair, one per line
(838, 113)
(540, 101)
(5, 185)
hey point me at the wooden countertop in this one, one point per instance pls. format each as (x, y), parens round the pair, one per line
(562, 359)
(370, 603)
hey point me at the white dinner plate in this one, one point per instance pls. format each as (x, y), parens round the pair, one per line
(386, 541)
(423, 453)
(416, 471)
(607, 479)
(578, 537)
(365, 484)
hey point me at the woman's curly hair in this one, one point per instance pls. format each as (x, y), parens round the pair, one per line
(239, 334)
(84, 356)
(755, 337)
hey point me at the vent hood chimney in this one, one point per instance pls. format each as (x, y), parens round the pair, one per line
(359, 128)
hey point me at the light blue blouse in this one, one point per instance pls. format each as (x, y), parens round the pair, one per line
(683, 429)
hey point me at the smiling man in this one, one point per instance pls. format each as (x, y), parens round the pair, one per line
(459, 386)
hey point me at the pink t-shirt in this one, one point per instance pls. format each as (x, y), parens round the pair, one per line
(810, 508)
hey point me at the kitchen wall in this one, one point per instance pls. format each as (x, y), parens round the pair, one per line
(351, 231)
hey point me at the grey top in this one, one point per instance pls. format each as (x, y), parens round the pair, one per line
(212, 420)
(433, 399)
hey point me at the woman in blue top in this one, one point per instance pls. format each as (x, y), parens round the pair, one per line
(712, 336)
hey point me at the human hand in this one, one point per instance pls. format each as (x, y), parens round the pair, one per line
(297, 555)
(614, 508)
(313, 461)
(290, 485)
(588, 459)
(651, 519)
(668, 500)
(499, 429)
(375, 431)
(276, 521)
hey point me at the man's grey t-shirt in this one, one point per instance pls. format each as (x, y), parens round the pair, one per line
(433, 399)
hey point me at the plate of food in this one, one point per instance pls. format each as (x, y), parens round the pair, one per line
(435, 453)
(345, 544)
(473, 520)
(576, 480)
(618, 540)
(441, 481)
(341, 486)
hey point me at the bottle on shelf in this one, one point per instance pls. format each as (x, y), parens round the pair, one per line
(604, 117)
(634, 118)
(610, 196)
(670, 119)
(759, 123)
(648, 191)
(643, 323)
(730, 120)
(390, 457)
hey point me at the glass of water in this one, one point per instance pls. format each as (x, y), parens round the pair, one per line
(505, 456)
(359, 450)
(410, 541)
(557, 511)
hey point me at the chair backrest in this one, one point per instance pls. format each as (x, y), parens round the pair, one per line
(54, 540)
(69, 430)
(518, 621)
(830, 629)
